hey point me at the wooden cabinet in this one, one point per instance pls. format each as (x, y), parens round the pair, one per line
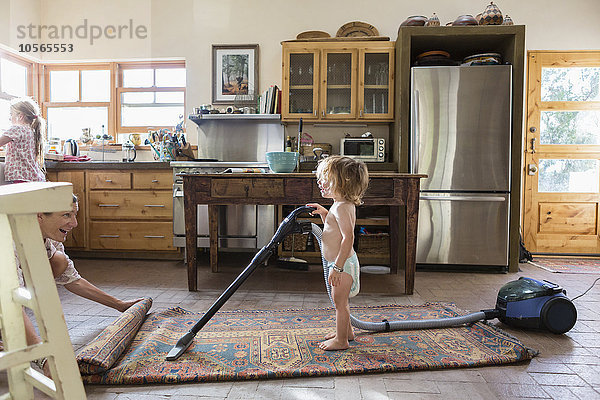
(130, 210)
(338, 80)
(122, 210)
(77, 238)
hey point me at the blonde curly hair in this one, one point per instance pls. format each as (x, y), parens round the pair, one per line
(347, 177)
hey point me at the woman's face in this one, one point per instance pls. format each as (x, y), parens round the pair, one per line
(57, 225)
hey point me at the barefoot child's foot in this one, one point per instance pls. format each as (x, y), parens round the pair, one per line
(334, 344)
(332, 335)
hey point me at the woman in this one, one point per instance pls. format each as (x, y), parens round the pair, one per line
(55, 227)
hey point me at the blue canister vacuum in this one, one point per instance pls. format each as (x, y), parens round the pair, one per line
(524, 303)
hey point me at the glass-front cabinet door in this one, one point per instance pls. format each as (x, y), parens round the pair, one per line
(375, 91)
(338, 86)
(301, 79)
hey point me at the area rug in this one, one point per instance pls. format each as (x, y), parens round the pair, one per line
(240, 345)
(568, 265)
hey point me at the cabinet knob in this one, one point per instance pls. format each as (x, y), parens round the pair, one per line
(154, 180)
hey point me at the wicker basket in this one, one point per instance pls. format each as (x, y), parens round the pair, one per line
(299, 241)
(376, 243)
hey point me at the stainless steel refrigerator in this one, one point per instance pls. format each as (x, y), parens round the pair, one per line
(460, 137)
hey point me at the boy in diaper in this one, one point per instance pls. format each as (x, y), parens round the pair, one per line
(344, 180)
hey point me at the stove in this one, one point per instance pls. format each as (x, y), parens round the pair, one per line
(240, 226)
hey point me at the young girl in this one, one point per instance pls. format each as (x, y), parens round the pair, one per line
(344, 180)
(24, 142)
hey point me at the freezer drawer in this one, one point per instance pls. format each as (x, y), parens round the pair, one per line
(463, 229)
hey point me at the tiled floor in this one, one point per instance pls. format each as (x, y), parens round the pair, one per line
(568, 366)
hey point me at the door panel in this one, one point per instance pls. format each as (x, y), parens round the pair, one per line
(562, 153)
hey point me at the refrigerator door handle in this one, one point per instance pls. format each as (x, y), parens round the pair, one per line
(414, 140)
(464, 198)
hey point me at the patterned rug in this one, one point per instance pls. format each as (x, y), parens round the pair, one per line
(568, 265)
(239, 345)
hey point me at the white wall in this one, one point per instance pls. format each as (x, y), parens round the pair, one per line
(188, 28)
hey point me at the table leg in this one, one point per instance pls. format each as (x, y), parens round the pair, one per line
(191, 240)
(412, 217)
(213, 232)
(395, 239)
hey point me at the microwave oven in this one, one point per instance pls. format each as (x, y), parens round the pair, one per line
(363, 148)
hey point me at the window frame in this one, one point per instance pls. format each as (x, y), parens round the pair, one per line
(121, 66)
(32, 71)
(47, 68)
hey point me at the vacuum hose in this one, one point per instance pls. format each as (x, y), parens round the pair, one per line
(386, 326)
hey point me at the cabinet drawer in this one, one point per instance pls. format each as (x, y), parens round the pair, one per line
(247, 188)
(131, 205)
(131, 235)
(109, 180)
(153, 180)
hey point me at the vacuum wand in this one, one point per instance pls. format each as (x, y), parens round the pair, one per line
(287, 226)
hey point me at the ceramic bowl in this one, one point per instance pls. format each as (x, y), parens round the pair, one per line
(282, 161)
(415, 20)
(465, 20)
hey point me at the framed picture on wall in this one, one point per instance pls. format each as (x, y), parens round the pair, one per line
(235, 74)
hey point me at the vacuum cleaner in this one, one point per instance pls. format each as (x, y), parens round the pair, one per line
(524, 303)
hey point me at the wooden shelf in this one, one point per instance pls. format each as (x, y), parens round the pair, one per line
(312, 255)
(379, 87)
(301, 87)
(197, 118)
(346, 87)
(383, 221)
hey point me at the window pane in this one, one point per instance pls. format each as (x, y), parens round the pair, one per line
(95, 85)
(138, 77)
(170, 77)
(67, 122)
(169, 97)
(137, 98)
(571, 84)
(568, 176)
(4, 115)
(64, 86)
(150, 115)
(570, 127)
(14, 78)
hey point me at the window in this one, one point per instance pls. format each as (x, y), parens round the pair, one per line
(77, 97)
(15, 81)
(150, 95)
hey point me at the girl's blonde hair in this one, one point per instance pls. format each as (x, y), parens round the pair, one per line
(30, 111)
(347, 177)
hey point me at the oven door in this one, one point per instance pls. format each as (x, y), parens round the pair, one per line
(179, 215)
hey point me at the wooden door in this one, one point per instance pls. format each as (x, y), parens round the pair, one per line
(562, 153)
(339, 72)
(376, 83)
(300, 93)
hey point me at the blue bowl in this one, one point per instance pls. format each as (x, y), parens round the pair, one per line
(282, 161)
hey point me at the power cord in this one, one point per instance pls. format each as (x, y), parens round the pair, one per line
(575, 298)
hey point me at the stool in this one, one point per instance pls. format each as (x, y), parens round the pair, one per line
(19, 205)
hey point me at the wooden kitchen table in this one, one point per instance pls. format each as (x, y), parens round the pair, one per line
(391, 189)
